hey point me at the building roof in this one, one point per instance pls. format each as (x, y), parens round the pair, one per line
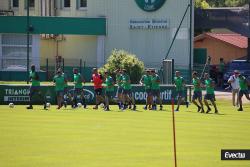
(236, 40)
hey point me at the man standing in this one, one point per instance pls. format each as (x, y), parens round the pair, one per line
(127, 94)
(59, 82)
(221, 72)
(65, 91)
(234, 82)
(119, 88)
(78, 89)
(209, 84)
(35, 87)
(146, 81)
(155, 85)
(179, 83)
(243, 90)
(197, 92)
(109, 89)
(97, 79)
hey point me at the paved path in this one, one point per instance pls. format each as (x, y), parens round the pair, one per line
(227, 95)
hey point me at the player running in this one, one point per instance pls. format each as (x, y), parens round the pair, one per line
(155, 87)
(197, 92)
(146, 81)
(78, 89)
(35, 87)
(119, 88)
(243, 90)
(209, 84)
(109, 89)
(127, 94)
(179, 83)
(59, 81)
(65, 91)
(97, 79)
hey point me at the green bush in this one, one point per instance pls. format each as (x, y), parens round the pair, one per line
(120, 59)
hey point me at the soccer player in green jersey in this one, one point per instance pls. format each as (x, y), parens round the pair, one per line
(155, 87)
(119, 87)
(179, 83)
(35, 87)
(109, 89)
(78, 89)
(146, 81)
(243, 90)
(197, 92)
(65, 91)
(127, 94)
(209, 84)
(59, 82)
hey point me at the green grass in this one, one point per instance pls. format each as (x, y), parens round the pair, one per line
(87, 138)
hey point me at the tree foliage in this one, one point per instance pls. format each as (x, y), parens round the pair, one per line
(220, 3)
(120, 59)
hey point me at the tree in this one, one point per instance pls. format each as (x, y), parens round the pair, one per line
(120, 59)
(201, 4)
(227, 3)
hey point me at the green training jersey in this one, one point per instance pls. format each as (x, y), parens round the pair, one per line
(126, 82)
(78, 80)
(243, 83)
(209, 86)
(109, 84)
(146, 80)
(34, 79)
(119, 79)
(179, 81)
(196, 83)
(155, 80)
(59, 81)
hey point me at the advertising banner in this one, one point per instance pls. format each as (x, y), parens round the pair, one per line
(19, 94)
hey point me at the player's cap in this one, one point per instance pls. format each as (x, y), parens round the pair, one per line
(152, 70)
(124, 70)
(106, 72)
(236, 72)
(147, 70)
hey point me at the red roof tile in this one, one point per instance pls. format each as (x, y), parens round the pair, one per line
(233, 39)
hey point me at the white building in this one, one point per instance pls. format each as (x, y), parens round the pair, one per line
(145, 28)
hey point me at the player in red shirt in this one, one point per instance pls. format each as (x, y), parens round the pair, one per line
(97, 79)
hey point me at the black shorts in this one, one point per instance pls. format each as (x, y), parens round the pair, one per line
(119, 90)
(243, 92)
(98, 91)
(109, 93)
(148, 91)
(180, 93)
(126, 92)
(59, 93)
(34, 90)
(197, 95)
(209, 97)
(156, 92)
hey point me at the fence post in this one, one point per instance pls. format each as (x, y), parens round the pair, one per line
(47, 69)
(63, 65)
(80, 65)
(173, 71)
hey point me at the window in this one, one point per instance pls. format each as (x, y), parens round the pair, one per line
(66, 4)
(32, 3)
(15, 3)
(83, 3)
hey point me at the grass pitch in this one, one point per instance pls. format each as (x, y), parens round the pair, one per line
(88, 138)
